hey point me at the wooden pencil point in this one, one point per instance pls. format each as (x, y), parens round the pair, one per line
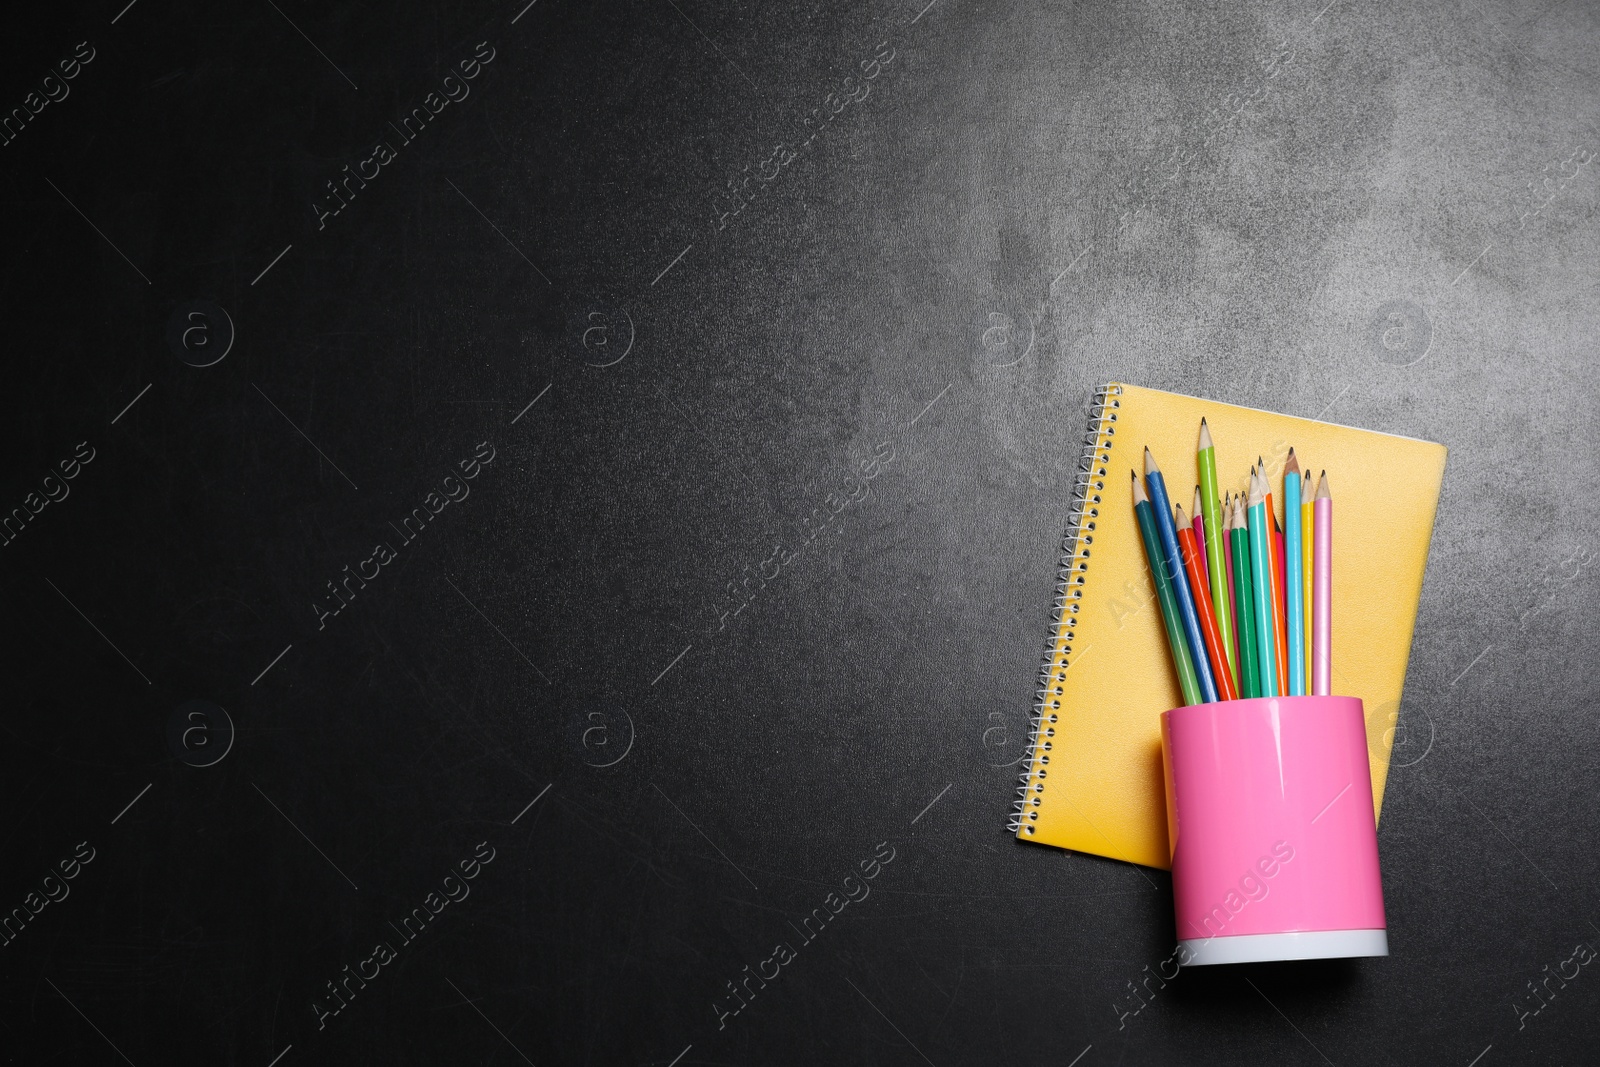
(1139, 496)
(1205, 435)
(1150, 462)
(1179, 516)
(1292, 466)
(1322, 488)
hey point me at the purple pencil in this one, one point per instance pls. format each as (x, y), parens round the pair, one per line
(1322, 591)
(1200, 539)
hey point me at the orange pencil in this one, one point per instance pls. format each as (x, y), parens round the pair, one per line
(1193, 565)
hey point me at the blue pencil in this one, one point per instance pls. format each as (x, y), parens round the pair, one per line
(1180, 581)
(1294, 590)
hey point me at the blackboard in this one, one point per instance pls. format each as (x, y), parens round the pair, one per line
(530, 525)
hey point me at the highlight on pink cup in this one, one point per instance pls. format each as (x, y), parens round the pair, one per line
(1274, 841)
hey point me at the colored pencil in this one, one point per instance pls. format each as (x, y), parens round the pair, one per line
(1277, 591)
(1225, 520)
(1294, 611)
(1199, 527)
(1322, 592)
(1244, 608)
(1193, 564)
(1280, 634)
(1261, 587)
(1214, 521)
(1307, 533)
(1263, 637)
(1169, 607)
(1161, 506)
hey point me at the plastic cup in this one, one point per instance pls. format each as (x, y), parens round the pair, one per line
(1274, 841)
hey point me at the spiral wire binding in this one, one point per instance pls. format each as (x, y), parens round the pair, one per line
(1088, 485)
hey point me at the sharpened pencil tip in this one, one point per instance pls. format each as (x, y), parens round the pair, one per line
(1150, 462)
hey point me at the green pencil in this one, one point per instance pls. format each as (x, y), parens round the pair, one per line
(1244, 608)
(1261, 586)
(1216, 563)
(1176, 641)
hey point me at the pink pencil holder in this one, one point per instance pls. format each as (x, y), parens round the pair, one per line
(1274, 843)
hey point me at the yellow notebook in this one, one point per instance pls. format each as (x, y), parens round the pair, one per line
(1092, 780)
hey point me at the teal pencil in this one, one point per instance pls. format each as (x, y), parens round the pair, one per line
(1293, 587)
(1261, 582)
(1244, 627)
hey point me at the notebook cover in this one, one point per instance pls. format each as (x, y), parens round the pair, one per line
(1094, 780)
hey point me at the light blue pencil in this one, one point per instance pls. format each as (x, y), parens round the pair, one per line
(1293, 587)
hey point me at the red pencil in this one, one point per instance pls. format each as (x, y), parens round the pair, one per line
(1280, 603)
(1280, 626)
(1193, 565)
(1227, 553)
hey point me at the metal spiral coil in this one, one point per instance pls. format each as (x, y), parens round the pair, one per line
(1088, 488)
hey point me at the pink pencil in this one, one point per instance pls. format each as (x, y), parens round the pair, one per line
(1277, 535)
(1322, 591)
(1200, 537)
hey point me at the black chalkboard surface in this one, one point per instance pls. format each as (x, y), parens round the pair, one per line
(528, 527)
